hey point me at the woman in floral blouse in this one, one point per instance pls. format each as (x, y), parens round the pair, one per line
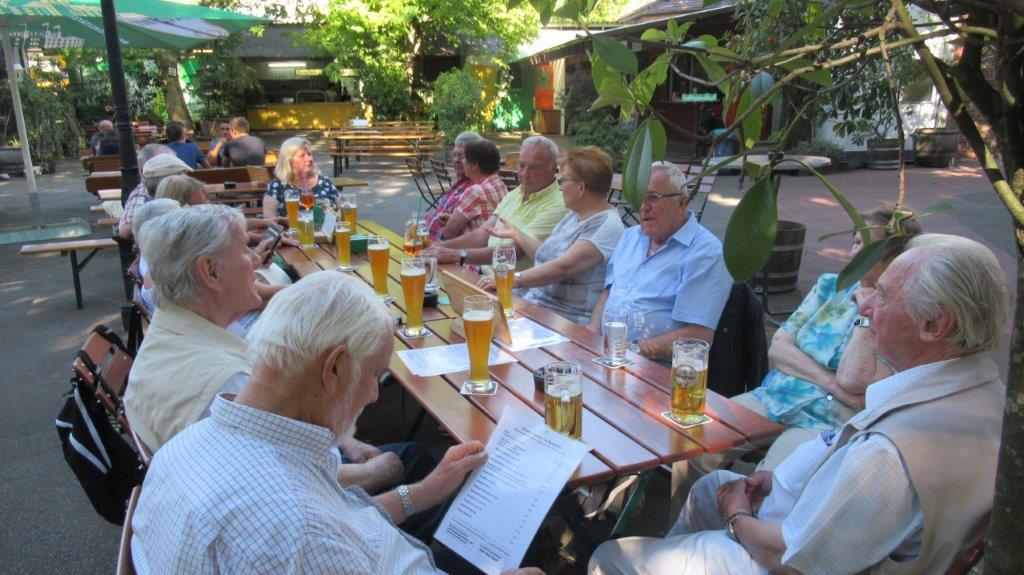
(294, 173)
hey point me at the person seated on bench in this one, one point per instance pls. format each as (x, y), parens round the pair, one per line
(480, 163)
(437, 218)
(186, 150)
(295, 172)
(156, 162)
(904, 486)
(217, 143)
(103, 127)
(242, 149)
(535, 207)
(185, 190)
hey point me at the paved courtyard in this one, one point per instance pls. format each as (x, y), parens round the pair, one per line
(48, 525)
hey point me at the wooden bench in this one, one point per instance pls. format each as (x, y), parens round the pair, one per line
(383, 146)
(72, 248)
(108, 181)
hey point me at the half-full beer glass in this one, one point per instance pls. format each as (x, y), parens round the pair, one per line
(503, 263)
(306, 237)
(414, 279)
(348, 209)
(379, 251)
(343, 243)
(478, 322)
(613, 326)
(291, 206)
(563, 398)
(689, 380)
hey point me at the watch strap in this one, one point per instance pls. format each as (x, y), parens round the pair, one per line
(732, 519)
(462, 257)
(406, 496)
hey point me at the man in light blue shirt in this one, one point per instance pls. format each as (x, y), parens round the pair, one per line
(668, 272)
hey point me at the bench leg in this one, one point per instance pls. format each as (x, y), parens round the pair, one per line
(75, 269)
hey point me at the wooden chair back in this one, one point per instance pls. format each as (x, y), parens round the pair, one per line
(444, 180)
(124, 550)
(512, 160)
(221, 175)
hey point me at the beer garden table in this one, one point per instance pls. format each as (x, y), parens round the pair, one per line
(622, 407)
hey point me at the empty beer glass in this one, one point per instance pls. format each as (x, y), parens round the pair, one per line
(503, 263)
(478, 322)
(414, 279)
(379, 251)
(613, 326)
(343, 243)
(563, 398)
(689, 380)
(432, 285)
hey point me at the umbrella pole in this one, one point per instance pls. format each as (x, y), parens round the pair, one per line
(126, 140)
(26, 156)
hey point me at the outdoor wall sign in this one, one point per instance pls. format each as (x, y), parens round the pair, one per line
(700, 97)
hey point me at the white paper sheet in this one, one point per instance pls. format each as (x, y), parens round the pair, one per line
(527, 334)
(330, 221)
(442, 359)
(497, 513)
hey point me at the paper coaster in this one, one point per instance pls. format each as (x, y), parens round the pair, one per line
(401, 332)
(668, 415)
(465, 389)
(607, 362)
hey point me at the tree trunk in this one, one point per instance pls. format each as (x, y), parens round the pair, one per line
(174, 99)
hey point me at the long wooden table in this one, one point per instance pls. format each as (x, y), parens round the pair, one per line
(622, 407)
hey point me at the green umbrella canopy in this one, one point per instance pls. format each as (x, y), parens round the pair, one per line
(54, 24)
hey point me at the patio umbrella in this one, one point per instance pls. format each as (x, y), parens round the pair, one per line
(54, 24)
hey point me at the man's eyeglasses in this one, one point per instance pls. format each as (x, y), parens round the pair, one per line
(653, 197)
(562, 181)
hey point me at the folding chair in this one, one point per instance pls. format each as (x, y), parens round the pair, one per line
(444, 180)
(418, 176)
(626, 212)
(103, 364)
(124, 551)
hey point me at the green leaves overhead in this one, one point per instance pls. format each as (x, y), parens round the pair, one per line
(750, 234)
(545, 9)
(820, 77)
(615, 54)
(637, 173)
(659, 140)
(752, 123)
(862, 263)
(650, 78)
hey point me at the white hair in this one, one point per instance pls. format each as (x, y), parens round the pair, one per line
(466, 138)
(182, 237)
(963, 276)
(552, 147)
(319, 312)
(283, 170)
(151, 210)
(676, 177)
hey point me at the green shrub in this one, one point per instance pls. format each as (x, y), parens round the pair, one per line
(597, 128)
(50, 122)
(387, 88)
(458, 104)
(818, 148)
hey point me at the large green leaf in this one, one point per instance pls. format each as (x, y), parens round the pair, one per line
(820, 77)
(650, 78)
(713, 69)
(612, 94)
(659, 140)
(677, 32)
(862, 263)
(615, 54)
(655, 35)
(598, 70)
(750, 235)
(752, 123)
(637, 174)
(544, 8)
(570, 10)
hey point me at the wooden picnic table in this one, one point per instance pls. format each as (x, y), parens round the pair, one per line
(622, 407)
(240, 188)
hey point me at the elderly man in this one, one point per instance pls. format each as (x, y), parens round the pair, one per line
(253, 488)
(668, 272)
(103, 128)
(156, 161)
(535, 207)
(906, 485)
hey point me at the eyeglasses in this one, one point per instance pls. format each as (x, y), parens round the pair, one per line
(655, 196)
(562, 181)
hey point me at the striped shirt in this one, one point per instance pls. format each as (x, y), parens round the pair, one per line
(247, 491)
(479, 201)
(445, 205)
(135, 200)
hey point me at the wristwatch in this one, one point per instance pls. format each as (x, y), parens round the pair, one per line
(517, 278)
(463, 254)
(732, 519)
(406, 495)
(862, 321)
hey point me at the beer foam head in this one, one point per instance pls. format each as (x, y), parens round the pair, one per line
(378, 247)
(477, 315)
(414, 272)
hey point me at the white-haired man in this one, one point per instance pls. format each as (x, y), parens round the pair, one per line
(668, 271)
(906, 485)
(103, 128)
(535, 207)
(141, 193)
(253, 488)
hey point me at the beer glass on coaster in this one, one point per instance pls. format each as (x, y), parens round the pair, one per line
(478, 323)
(343, 243)
(379, 251)
(503, 263)
(563, 398)
(414, 280)
(348, 208)
(614, 327)
(689, 382)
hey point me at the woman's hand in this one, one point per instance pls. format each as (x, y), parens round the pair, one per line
(486, 283)
(501, 228)
(444, 255)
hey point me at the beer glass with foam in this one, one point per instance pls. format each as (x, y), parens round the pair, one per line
(379, 251)
(414, 280)
(563, 398)
(343, 243)
(478, 322)
(689, 380)
(306, 237)
(503, 263)
(347, 209)
(291, 205)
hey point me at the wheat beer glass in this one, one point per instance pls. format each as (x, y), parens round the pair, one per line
(291, 205)
(306, 238)
(689, 380)
(379, 251)
(613, 326)
(343, 243)
(432, 285)
(563, 398)
(414, 280)
(347, 208)
(478, 321)
(503, 263)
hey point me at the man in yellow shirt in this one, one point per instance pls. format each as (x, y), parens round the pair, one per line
(535, 207)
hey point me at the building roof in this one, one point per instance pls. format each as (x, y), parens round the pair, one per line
(660, 9)
(278, 41)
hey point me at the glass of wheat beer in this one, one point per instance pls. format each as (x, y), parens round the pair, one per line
(563, 398)
(343, 243)
(503, 263)
(348, 209)
(379, 251)
(414, 280)
(689, 380)
(478, 321)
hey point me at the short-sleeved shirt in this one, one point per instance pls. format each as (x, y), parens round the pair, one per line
(683, 283)
(479, 201)
(187, 152)
(245, 151)
(575, 297)
(323, 190)
(446, 205)
(135, 200)
(535, 217)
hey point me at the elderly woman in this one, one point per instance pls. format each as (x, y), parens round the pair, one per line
(475, 206)
(438, 218)
(569, 266)
(296, 173)
(145, 190)
(185, 190)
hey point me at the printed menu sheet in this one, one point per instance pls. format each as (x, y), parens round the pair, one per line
(497, 513)
(528, 334)
(441, 359)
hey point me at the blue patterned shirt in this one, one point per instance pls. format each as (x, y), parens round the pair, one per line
(322, 190)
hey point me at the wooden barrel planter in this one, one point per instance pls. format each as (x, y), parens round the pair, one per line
(884, 154)
(936, 147)
(783, 267)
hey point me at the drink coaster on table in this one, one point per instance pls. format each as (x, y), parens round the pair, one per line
(668, 415)
(466, 389)
(608, 363)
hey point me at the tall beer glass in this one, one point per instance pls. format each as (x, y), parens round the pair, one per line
(563, 398)
(689, 380)
(347, 208)
(503, 263)
(432, 285)
(478, 321)
(414, 280)
(343, 243)
(379, 251)
(291, 205)
(613, 326)
(306, 237)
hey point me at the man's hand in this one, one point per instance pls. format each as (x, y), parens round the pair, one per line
(444, 255)
(458, 461)
(759, 485)
(486, 283)
(732, 498)
(263, 249)
(382, 471)
(443, 218)
(358, 452)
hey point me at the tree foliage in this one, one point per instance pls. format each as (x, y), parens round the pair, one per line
(458, 103)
